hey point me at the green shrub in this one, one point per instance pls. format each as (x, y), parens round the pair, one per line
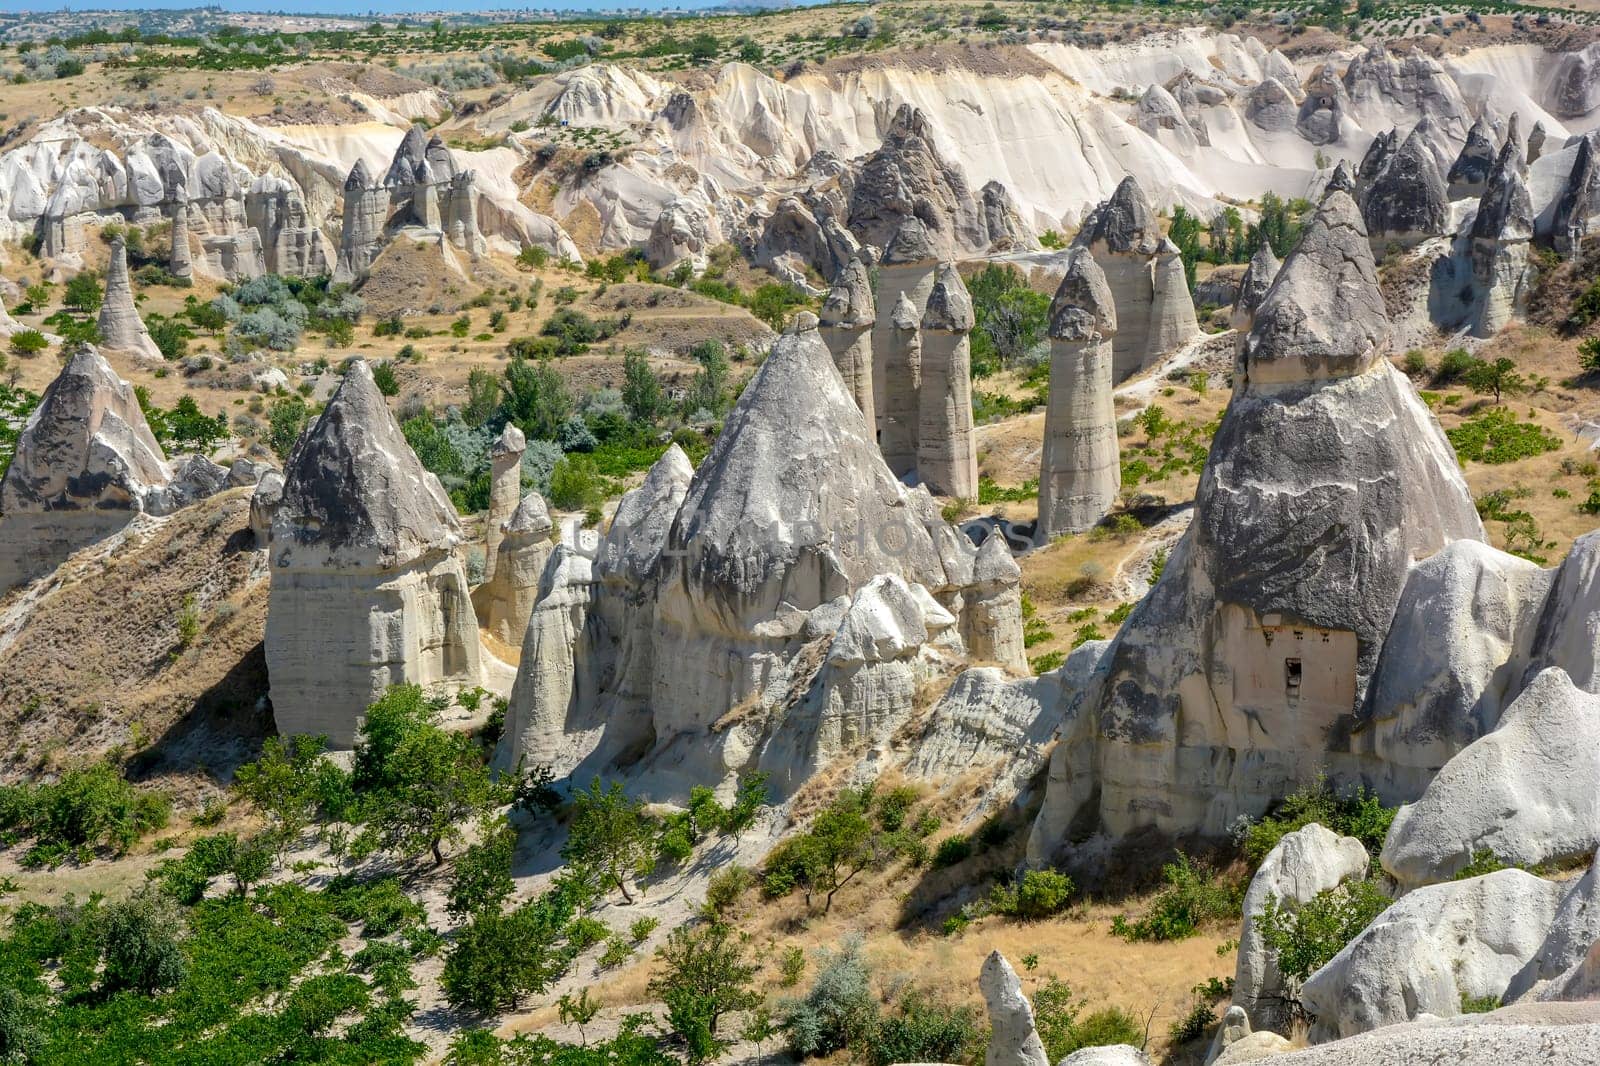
(1304, 940)
(1484, 861)
(726, 886)
(1416, 362)
(1497, 437)
(953, 849)
(1479, 1004)
(1361, 814)
(1194, 1024)
(923, 1030)
(91, 807)
(1194, 896)
(840, 1011)
(1064, 1028)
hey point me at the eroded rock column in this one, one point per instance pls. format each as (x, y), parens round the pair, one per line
(905, 278)
(505, 486)
(1079, 471)
(947, 451)
(121, 328)
(846, 325)
(179, 263)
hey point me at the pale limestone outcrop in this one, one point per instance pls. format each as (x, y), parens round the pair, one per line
(505, 600)
(460, 213)
(85, 465)
(1529, 791)
(991, 724)
(846, 323)
(291, 243)
(121, 328)
(1406, 201)
(1106, 1055)
(1302, 864)
(1237, 677)
(681, 234)
(180, 263)
(1458, 646)
(1570, 942)
(991, 614)
(1155, 313)
(1013, 1039)
(505, 491)
(1502, 230)
(947, 452)
(366, 211)
(1564, 636)
(910, 176)
(263, 504)
(1430, 951)
(905, 279)
(1080, 469)
(1160, 115)
(1258, 278)
(1252, 1047)
(1469, 174)
(780, 608)
(1536, 139)
(369, 583)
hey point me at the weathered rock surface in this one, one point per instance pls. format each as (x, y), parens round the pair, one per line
(1013, 1040)
(1253, 1047)
(1478, 1040)
(947, 450)
(1406, 201)
(1302, 864)
(1080, 470)
(85, 464)
(1574, 87)
(1237, 677)
(905, 279)
(681, 234)
(821, 590)
(1529, 791)
(1565, 634)
(1470, 172)
(505, 492)
(121, 328)
(1501, 233)
(504, 602)
(366, 210)
(846, 325)
(1430, 950)
(1107, 1055)
(1567, 947)
(180, 263)
(1258, 278)
(1454, 658)
(369, 586)
(1155, 313)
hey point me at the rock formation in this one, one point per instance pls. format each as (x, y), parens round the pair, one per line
(179, 262)
(1237, 677)
(846, 325)
(366, 210)
(817, 588)
(1574, 86)
(1577, 204)
(1258, 278)
(1529, 791)
(121, 328)
(1160, 116)
(85, 464)
(1321, 117)
(1406, 201)
(1080, 469)
(1536, 138)
(264, 503)
(991, 607)
(1430, 951)
(369, 586)
(1013, 1040)
(681, 234)
(505, 490)
(1564, 636)
(291, 243)
(905, 279)
(1470, 172)
(1430, 697)
(1501, 232)
(1155, 313)
(504, 602)
(947, 450)
(1302, 864)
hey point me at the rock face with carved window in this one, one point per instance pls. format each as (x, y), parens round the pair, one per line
(1245, 670)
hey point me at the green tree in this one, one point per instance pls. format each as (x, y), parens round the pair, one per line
(1306, 938)
(483, 398)
(610, 836)
(384, 377)
(286, 417)
(28, 343)
(1497, 378)
(641, 391)
(290, 782)
(1185, 233)
(709, 390)
(437, 781)
(839, 846)
(83, 292)
(483, 871)
(578, 1010)
(704, 975)
(536, 399)
(141, 938)
(499, 958)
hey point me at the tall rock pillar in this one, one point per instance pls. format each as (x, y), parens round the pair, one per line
(505, 486)
(947, 451)
(121, 328)
(179, 263)
(369, 586)
(905, 278)
(1080, 469)
(846, 326)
